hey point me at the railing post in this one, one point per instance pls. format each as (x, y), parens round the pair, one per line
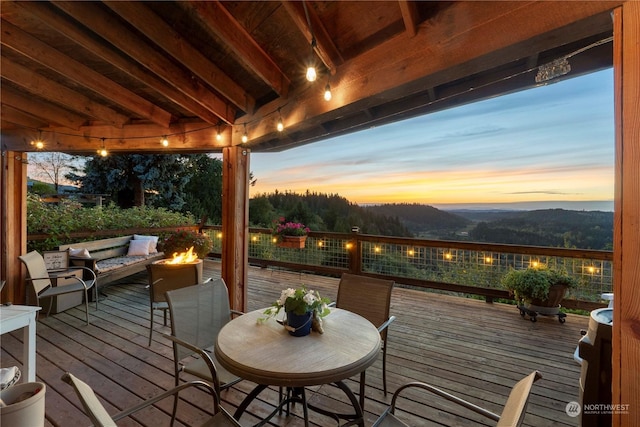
(355, 254)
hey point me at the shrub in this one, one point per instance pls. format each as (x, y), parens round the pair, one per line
(182, 240)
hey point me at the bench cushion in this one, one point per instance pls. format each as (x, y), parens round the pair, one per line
(110, 264)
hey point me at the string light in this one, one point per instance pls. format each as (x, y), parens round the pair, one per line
(245, 137)
(103, 151)
(311, 69)
(280, 125)
(218, 134)
(164, 141)
(38, 143)
(327, 92)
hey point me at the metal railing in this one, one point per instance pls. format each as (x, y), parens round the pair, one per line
(453, 266)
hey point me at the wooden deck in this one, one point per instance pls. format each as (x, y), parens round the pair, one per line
(468, 347)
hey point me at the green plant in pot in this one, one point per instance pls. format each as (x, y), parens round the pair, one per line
(181, 241)
(538, 286)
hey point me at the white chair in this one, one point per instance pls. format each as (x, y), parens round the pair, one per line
(42, 286)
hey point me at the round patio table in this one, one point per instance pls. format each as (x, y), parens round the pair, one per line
(265, 353)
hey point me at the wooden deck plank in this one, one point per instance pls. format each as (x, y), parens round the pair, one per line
(468, 347)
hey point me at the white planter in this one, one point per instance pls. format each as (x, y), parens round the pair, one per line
(27, 412)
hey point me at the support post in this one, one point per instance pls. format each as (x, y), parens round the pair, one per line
(13, 224)
(235, 224)
(626, 251)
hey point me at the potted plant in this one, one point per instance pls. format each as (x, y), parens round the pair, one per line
(290, 234)
(183, 240)
(539, 289)
(305, 309)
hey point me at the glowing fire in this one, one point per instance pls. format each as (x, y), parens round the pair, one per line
(183, 257)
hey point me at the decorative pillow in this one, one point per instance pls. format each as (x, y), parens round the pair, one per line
(153, 242)
(138, 247)
(79, 253)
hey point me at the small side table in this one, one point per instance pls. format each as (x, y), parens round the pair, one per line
(22, 316)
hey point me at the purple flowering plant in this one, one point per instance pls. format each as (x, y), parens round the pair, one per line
(284, 228)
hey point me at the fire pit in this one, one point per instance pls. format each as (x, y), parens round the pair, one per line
(184, 267)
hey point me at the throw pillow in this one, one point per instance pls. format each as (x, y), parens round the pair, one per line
(138, 247)
(153, 242)
(79, 253)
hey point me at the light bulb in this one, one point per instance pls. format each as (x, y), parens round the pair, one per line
(245, 138)
(311, 74)
(103, 152)
(280, 125)
(218, 136)
(165, 141)
(327, 93)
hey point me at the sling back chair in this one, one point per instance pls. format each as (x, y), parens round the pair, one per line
(163, 278)
(42, 287)
(101, 418)
(370, 298)
(197, 314)
(512, 415)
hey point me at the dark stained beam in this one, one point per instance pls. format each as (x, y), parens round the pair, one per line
(34, 49)
(72, 31)
(162, 34)
(325, 48)
(51, 113)
(226, 27)
(59, 94)
(146, 55)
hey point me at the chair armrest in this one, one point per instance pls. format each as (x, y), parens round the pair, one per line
(386, 324)
(475, 408)
(236, 313)
(331, 304)
(171, 392)
(201, 352)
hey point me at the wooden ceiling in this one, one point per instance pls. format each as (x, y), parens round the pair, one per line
(124, 74)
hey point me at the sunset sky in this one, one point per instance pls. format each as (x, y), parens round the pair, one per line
(554, 143)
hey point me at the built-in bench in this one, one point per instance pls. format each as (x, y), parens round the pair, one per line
(111, 259)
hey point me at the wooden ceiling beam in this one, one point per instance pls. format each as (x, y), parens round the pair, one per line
(43, 13)
(325, 48)
(162, 34)
(39, 52)
(58, 93)
(124, 39)
(399, 67)
(52, 113)
(410, 16)
(218, 20)
(184, 137)
(20, 118)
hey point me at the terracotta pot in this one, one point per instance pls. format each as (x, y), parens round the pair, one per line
(294, 242)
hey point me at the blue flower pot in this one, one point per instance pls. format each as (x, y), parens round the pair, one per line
(300, 322)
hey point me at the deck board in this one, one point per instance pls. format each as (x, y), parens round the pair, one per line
(468, 347)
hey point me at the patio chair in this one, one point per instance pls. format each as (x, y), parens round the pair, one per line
(42, 286)
(512, 415)
(100, 418)
(197, 314)
(370, 298)
(163, 278)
